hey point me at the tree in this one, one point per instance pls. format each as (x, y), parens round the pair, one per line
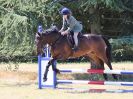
(19, 19)
(18, 23)
(94, 7)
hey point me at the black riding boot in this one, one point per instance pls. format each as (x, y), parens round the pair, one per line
(75, 48)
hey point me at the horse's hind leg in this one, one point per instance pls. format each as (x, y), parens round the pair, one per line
(108, 62)
(110, 66)
(100, 65)
(97, 63)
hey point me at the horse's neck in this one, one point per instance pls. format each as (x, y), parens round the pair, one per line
(55, 38)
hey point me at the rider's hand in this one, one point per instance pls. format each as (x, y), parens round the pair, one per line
(61, 30)
(64, 33)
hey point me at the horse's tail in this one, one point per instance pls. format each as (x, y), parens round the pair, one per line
(108, 49)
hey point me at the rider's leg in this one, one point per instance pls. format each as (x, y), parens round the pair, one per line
(76, 40)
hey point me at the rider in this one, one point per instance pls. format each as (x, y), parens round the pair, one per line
(71, 24)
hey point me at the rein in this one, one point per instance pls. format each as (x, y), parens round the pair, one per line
(52, 44)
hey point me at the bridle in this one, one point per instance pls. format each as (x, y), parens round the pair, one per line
(54, 42)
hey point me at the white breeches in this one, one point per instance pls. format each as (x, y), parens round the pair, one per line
(76, 38)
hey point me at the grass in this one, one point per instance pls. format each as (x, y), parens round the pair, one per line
(16, 87)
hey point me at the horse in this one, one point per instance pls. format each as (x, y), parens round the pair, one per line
(95, 48)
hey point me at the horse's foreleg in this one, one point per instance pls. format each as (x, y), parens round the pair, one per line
(46, 71)
(54, 66)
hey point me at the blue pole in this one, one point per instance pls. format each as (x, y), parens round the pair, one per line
(55, 79)
(39, 72)
(40, 29)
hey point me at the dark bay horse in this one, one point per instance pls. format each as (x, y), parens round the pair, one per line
(91, 46)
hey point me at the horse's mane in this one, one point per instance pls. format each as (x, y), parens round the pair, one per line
(52, 29)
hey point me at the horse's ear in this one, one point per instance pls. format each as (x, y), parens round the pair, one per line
(39, 34)
(54, 27)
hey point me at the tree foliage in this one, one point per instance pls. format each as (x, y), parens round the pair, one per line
(19, 19)
(122, 47)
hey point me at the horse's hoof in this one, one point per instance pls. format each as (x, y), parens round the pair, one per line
(44, 79)
(75, 49)
(115, 76)
(57, 71)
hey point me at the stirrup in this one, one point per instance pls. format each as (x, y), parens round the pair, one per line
(75, 48)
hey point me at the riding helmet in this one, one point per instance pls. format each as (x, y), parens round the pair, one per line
(65, 11)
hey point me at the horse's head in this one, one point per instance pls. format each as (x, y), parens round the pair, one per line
(46, 37)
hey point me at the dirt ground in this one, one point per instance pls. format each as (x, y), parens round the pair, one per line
(21, 83)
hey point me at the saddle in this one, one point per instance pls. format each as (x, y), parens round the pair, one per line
(71, 39)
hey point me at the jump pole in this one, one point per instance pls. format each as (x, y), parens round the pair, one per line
(52, 80)
(94, 71)
(94, 82)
